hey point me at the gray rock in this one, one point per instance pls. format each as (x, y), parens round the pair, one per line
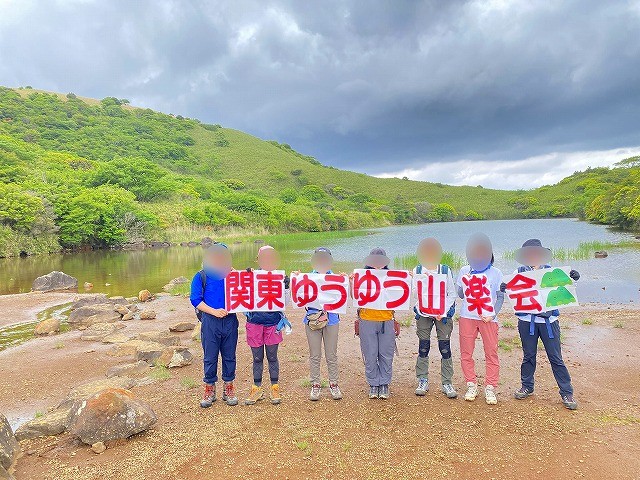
(84, 391)
(55, 281)
(149, 352)
(9, 447)
(110, 414)
(116, 337)
(182, 326)
(51, 423)
(98, 331)
(175, 357)
(160, 336)
(90, 314)
(118, 300)
(87, 300)
(98, 447)
(129, 369)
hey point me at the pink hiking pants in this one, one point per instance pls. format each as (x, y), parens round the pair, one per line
(468, 329)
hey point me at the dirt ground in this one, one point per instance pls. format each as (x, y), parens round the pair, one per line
(404, 437)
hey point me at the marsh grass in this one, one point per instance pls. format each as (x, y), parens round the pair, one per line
(182, 289)
(161, 373)
(188, 382)
(587, 321)
(584, 250)
(408, 262)
(618, 324)
(507, 324)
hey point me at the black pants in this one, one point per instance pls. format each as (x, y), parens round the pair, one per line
(258, 363)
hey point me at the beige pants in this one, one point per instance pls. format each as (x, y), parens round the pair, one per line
(328, 335)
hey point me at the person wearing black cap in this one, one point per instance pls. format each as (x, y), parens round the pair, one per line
(543, 326)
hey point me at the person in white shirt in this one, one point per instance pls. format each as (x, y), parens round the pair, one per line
(429, 255)
(479, 287)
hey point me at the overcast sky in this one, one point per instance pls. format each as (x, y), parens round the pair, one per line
(508, 94)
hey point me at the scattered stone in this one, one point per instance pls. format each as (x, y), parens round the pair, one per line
(118, 300)
(182, 326)
(128, 369)
(47, 327)
(144, 295)
(175, 357)
(127, 316)
(121, 309)
(116, 338)
(174, 282)
(192, 244)
(160, 336)
(54, 282)
(131, 300)
(132, 307)
(98, 447)
(98, 331)
(88, 285)
(86, 390)
(147, 314)
(195, 335)
(9, 448)
(125, 349)
(601, 254)
(206, 241)
(133, 246)
(90, 314)
(149, 352)
(51, 423)
(87, 300)
(110, 414)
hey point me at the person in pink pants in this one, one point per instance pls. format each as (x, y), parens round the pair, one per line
(479, 287)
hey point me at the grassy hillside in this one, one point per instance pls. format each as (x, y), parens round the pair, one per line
(80, 172)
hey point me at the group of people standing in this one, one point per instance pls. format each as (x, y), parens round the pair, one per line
(378, 329)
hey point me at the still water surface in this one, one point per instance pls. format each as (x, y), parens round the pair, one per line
(613, 279)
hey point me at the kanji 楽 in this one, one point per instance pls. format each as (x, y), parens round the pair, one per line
(477, 295)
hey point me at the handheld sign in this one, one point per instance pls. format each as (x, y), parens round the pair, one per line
(541, 290)
(382, 289)
(431, 289)
(254, 291)
(477, 301)
(321, 291)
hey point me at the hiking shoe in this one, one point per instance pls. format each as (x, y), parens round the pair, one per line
(315, 392)
(209, 395)
(522, 393)
(256, 394)
(274, 394)
(373, 392)
(490, 395)
(383, 392)
(229, 394)
(423, 387)
(336, 394)
(472, 392)
(569, 402)
(449, 391)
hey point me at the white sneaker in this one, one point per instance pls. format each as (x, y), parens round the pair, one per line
(490, 395)
(472, 392)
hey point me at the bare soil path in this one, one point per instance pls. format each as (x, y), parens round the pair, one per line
(405, 437)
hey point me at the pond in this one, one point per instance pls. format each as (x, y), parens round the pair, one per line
(612, 279)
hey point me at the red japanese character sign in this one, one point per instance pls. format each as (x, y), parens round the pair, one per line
(254, 291)
(477, 296)
(327, 292)
(541, 290)
(431, 290)
(382, 289)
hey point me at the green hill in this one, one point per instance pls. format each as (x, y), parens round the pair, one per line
(80, 172)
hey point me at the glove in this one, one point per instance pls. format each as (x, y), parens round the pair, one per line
(574, 275)
(284, 324)
(503, 287)
(249, 269)
(287, 282)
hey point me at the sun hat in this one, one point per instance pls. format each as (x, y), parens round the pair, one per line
(530, 246)
(377, 258)
(322, 253)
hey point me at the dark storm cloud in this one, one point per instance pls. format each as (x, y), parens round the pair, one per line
(381, 87)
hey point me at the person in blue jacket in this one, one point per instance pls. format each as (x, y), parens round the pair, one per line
(219, 329)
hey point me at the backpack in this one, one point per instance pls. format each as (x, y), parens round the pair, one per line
(203, 280)
(444, 270)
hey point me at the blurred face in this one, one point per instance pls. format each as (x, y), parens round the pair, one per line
(321, 262)
(479, 251)
(429, 252)
(268, 259)
(218, 260)
(533, 258)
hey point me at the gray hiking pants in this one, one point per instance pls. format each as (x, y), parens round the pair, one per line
(424, 325)
(329, 336)
(378, 345)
